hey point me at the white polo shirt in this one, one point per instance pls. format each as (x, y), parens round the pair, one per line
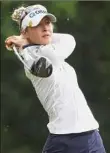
(60, 94)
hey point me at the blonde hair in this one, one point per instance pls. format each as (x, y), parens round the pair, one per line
(17, 14)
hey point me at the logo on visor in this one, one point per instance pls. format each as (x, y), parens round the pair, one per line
(30, 24)
(31, 15)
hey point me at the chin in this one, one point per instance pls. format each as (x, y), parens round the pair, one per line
(47, 42)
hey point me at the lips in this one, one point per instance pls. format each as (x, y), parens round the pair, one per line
(46, 35)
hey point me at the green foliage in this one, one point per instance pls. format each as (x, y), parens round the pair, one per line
(23, 118)
(64, 8)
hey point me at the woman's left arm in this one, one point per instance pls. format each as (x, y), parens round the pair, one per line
(64, 44)
(61, 48)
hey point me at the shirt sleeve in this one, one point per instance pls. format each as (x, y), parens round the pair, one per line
(61, 48)
(37, 64)
(52, 54)
(64, 44)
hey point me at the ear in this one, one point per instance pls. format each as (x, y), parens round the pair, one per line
(25, 34)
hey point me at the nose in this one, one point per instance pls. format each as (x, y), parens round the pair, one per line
(45, 27)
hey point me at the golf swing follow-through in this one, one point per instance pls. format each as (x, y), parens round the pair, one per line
(72, 126)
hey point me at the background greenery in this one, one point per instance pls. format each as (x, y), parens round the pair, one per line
(24, 121)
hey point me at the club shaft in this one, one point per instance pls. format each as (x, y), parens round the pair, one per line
(20, 58)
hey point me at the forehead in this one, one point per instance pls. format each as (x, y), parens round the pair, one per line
(46, 18)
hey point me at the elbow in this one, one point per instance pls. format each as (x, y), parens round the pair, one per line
(72, 41)
(42, 68)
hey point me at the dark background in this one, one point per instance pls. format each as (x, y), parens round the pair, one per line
(23, 125)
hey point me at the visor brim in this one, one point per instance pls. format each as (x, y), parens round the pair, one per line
(35, 20)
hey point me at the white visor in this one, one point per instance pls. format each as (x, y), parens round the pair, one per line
(33, 18)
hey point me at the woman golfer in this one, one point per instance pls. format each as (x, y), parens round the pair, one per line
(72, 126)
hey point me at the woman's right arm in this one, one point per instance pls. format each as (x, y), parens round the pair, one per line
(39, 65)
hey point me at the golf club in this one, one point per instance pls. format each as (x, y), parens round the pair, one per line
(20, 57)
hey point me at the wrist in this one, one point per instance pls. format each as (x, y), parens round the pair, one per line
(23, 46)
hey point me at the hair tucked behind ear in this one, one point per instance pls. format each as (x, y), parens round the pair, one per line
(18, 13)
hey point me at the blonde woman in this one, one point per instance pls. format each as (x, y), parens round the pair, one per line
(72, 126)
